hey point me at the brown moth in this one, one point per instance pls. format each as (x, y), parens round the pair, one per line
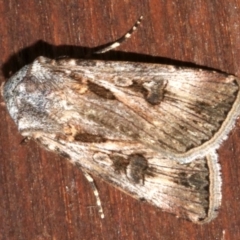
(151, 130)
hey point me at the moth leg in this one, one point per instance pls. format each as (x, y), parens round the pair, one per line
(24, 140)
(1, 88)
(95, 192)
(118, 42)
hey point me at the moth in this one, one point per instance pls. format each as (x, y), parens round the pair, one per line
(151, 130)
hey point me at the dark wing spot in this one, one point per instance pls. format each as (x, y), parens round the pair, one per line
(101, 91)
(138, 167)
(153, 91)
(86, 137)
(119, 163)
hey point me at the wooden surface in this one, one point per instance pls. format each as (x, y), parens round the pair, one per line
(42, 196)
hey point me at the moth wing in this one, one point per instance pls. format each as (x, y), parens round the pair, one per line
(182, 112)
(191, 191)
(179, 112)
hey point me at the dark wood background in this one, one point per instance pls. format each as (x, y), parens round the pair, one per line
(42, 196)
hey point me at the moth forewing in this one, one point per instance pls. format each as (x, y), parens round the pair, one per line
(191, 191)
(179, 112)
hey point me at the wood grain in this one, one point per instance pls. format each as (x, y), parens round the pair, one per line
(45, 197)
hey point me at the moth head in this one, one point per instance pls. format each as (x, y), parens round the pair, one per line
(11, 89)
(25, 97)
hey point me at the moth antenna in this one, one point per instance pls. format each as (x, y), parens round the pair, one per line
(95, 192)
(118, 42)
